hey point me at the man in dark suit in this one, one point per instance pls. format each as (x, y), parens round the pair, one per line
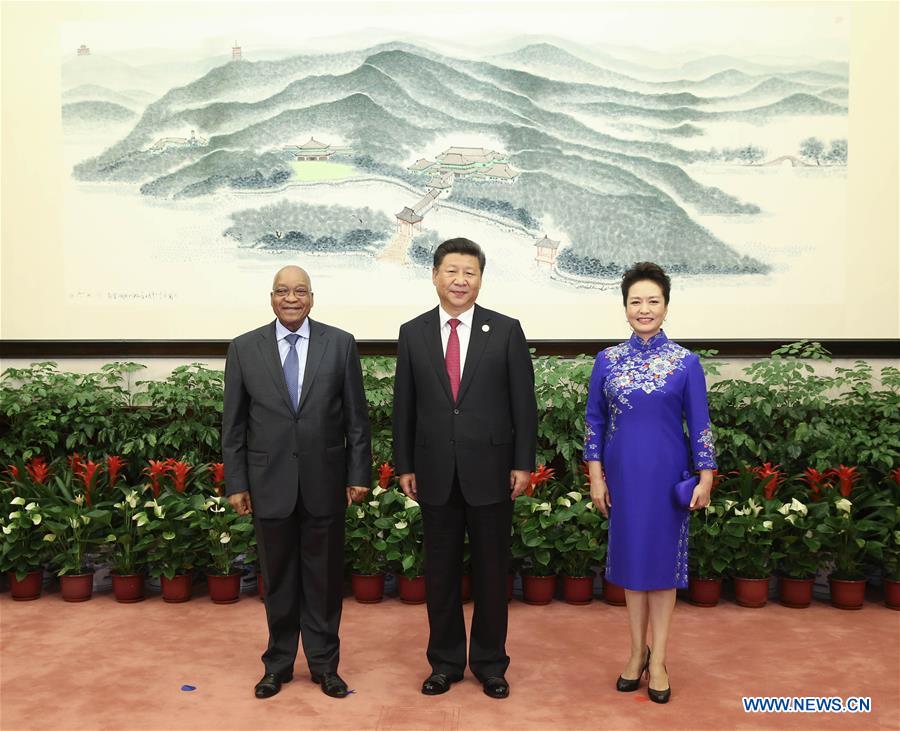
(297, 451)
(465, 427)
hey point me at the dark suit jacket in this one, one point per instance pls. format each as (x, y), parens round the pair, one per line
(270, 450)
(492, 427)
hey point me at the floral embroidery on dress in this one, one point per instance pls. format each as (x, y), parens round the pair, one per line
(681, 556)
(705, 456)
(639, 366)
(591, 447)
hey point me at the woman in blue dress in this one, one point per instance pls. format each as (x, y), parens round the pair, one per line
(640, 395)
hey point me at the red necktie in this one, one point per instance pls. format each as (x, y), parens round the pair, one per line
(451, 359)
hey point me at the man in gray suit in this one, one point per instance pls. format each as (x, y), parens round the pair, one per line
(297, 450)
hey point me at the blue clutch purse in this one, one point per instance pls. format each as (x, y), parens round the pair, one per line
(684, 490)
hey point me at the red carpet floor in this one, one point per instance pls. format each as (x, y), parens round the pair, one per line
(119, 667)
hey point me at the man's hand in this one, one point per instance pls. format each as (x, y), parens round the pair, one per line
(356, 494)
(408, 485)
(240, 501)
(518, 481)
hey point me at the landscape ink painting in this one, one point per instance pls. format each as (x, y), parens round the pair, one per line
(569, 140)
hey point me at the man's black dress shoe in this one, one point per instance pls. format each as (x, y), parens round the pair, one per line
(270, 684)
(331, 683)
(438, 683)
(496, 687)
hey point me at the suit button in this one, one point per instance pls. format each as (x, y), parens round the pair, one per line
(294, 454)
(452, 441)
(455, 411)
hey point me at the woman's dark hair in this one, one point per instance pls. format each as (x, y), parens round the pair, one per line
(646, 270)
(459, 246)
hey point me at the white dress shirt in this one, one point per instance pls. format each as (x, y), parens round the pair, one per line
(463, 331)
(284, 347)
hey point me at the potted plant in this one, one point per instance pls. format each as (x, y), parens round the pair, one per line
(405, 544)
(128, 541)
(365, 546)
(709, 557)
(799, 543)
(76, 526)
(888, 520)
(226, 538)
(851, 538)
(177, 547)
(749, 531)
(578, 545)
(24, 550)
(533, 548)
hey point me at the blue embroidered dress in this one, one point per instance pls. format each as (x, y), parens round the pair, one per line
(640, 395)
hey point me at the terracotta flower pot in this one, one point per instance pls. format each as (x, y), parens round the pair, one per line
(177, 589)
(578, 590)
(128, 588)
(892, 594)
(368, 589)
(704, 592)
(795, 593)
(752, 593)
(224, 589)
(466, 588)
(28, 588)
(847, 593)
(76, 587)
(538, 589)
(261, 586)
(412, 591)
(613, 593)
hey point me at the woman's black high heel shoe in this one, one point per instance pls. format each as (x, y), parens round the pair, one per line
(627, 685)
(659, 696)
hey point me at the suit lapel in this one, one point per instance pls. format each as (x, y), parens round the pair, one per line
(268, 347)
(478, 339)
(318, 344)
(431, 333)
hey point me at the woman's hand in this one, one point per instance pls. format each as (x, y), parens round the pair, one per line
(700, 499)
(600, 496)
(599, 490)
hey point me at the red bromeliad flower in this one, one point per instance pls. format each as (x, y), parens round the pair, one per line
(218, 475)
(89, 471)
(895, 475)
(717, 478)
(13, 471)
(816, 481)
(847, 477)
(539, 477)
(114, 465)
(75, 463)
(37, 470)
(156, 471)
(385, 475)
(180, 472)
(772, 476)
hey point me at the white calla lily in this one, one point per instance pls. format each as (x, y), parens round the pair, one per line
(50, 537)
(224, 537)
(410, 503)
(37, 518)
(798, 507)
(378, 490)
(575, 496)
(18, 500)
(31, 506)
(15, 514)
(785, 508)
(843, 504)
(400, 524)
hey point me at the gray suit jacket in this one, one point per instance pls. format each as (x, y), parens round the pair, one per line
(271, 451)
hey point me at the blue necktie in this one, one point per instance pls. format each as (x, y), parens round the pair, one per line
(292, 370)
